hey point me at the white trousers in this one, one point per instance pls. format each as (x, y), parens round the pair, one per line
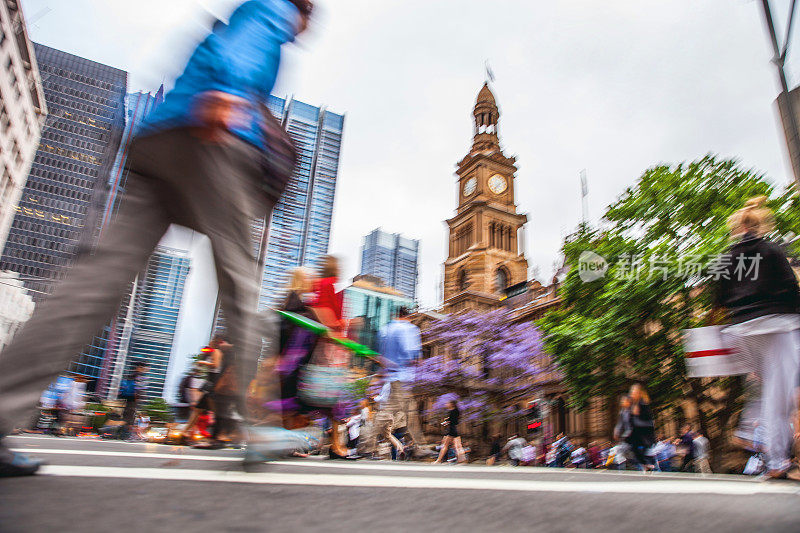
(778, 359)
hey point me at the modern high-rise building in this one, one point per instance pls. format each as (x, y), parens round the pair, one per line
(148, 333)
(392, 258)
(300, 228)
(138, 107)
(374, 304)
(22, 110)
(62, 201)
(92, 361)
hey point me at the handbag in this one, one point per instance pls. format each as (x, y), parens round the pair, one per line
(322, 382)
(278, 158)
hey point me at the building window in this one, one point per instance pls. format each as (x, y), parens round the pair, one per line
(501, 279)
(463, 279)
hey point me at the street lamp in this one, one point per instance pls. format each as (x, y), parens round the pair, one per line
(786, 101)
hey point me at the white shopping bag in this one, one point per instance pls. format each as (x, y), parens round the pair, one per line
(710, 353)
(754, 465)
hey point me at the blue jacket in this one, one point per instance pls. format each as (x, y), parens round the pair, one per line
(240, 58)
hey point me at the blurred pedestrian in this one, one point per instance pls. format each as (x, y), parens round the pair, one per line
(664, 453)
(184, 404)
(74, 402)
(212, 363)
(400, 345)
(758, 289)
(451, 437)
(685, 445)
(595, 455)
(578, 457)
(132, 389)
(295, 347)
(624, 427)
(327, 305)
(142, 426)
(223, 398)
(353, 425)
(563, 449)
(618, 456)
(514, 448)
(495, 450)
(642, 436)
(700, 446)
(210, 159)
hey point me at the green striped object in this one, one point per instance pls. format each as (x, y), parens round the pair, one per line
(318, 329)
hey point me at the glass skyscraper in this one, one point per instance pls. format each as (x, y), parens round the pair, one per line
(374, 304)
(299, 231)
(92, 363)
(149, 331)
(392, 258)
(62, 199)
(138, 107)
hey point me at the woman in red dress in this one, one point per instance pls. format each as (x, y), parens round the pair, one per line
(328, 306)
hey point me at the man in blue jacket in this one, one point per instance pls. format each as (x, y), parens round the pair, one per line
(196, 163)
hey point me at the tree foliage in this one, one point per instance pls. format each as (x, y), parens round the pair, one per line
(485, 361)
(158, 410)
(623, 326)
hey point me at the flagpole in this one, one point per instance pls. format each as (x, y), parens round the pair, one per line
(489, 72)
(584, 197)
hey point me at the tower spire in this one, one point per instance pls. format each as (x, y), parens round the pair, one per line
(486, 116)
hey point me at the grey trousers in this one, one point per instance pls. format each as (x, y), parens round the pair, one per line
(174, 178)
(778, 358)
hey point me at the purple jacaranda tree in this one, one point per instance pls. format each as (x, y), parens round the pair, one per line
(487, 362)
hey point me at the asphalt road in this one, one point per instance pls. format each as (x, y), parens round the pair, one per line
(91, 486)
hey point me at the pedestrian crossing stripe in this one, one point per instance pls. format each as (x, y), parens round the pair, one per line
(733, 488)
(370, 465)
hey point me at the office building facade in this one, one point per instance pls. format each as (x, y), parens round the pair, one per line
(22, 111)
(392, 258)
(300, 227)
(148, 333)
(372, 305)
(62, 200)
(93, 360)
(138, 107)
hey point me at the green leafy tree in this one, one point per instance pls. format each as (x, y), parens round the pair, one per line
(626, 325)
(158, 411)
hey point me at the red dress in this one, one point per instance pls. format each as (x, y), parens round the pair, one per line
(326, 296)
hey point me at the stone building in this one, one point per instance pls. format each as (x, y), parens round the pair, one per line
(22, 111)
(16, 306)
(486, 269)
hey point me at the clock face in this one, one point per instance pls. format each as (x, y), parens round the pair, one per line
(497, 184)
(469, 186)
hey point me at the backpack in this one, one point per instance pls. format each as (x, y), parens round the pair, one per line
(127, 389)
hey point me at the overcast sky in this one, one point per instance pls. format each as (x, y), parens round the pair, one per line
(613, 87)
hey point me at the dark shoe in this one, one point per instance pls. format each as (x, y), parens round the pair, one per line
(13, 464)
(333, 455)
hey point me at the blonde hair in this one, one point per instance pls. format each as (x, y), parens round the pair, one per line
(300, 280)
(754, 217)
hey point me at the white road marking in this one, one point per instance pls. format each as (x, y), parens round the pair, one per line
(385, 466)
(369, 481)
(102, 453)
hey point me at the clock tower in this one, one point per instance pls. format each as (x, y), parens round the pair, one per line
(485, 254)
